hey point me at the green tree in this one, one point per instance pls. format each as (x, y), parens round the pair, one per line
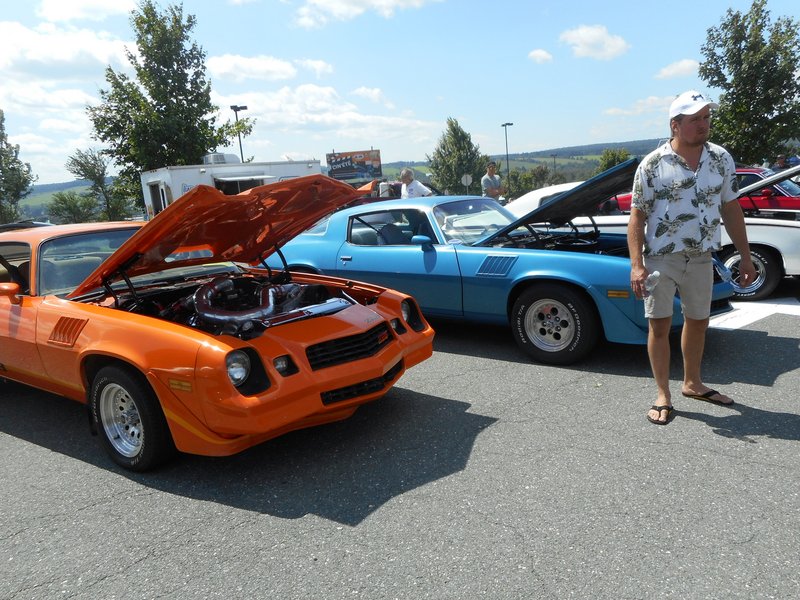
(72, 207)
(16, 178)
(524, 181)
(164, 116)
(454, 156)
(754, 62)
(92, 165)
(611, 157)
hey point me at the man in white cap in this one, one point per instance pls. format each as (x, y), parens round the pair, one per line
(682, 192)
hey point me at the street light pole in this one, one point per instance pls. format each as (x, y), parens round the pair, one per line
(236, 108)
(505, 127)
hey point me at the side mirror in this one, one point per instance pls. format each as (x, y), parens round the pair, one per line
(10, 291)
(422, 240)
(768, 192)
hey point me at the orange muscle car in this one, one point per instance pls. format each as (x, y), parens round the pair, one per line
(177, 335)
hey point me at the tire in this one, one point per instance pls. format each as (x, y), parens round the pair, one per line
(768, 272)
(129, 419)
(555, 324)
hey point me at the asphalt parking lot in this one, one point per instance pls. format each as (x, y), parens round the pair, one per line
(481, 475)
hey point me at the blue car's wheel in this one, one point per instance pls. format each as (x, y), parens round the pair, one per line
(554, 324)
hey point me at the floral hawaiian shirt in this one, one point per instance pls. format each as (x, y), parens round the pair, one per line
(683, 207)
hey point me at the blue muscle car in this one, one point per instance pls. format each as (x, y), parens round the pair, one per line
(464, 257)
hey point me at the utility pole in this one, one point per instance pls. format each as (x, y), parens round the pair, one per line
(236, 108)
(505, 127)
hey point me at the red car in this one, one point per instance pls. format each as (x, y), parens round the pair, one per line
(772, 200)
(778, 198)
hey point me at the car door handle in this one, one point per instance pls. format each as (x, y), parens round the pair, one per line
(345, 258)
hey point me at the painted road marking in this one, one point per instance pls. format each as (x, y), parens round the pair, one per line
(746, 313)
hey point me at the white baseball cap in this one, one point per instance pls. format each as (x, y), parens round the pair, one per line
(688, 103)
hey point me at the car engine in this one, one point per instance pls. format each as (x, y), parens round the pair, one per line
(243, 306)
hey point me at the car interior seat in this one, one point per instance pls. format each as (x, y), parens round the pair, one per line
(391, 235)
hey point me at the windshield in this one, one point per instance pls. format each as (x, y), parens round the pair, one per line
(790, 187)
(65, 262)
(467, 221)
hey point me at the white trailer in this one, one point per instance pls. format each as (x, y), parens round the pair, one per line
(222, 171)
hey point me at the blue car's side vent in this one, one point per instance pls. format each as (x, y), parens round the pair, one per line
(496, 266)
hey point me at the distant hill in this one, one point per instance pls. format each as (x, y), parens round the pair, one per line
(635, 148)
(49, 188)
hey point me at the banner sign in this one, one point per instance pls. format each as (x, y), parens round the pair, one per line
(364, 164)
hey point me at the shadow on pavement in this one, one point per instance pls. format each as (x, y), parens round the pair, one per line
(342, 472)
(746, 422)
(730, 355)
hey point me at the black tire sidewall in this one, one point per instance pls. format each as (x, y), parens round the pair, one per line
(156, 441)
(586, 324)
(772, 275)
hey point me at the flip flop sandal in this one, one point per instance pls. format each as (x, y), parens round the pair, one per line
(707, 397)
(664, 407)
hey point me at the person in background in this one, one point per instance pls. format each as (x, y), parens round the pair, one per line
(682, 193)
(411, 187)
(490, 183)
(780, 163)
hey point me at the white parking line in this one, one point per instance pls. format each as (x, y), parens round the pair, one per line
(745, 313)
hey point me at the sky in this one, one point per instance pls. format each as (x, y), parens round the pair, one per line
(322, 76)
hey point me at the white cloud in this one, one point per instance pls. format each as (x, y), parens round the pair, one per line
(43, 99)
(374, 95)
(319, 67)
(647, 105)
(75, 53)
(594, 41)
(317, 114)
(240, 68)
(682, 68)
(317, 13)
(73, 10)
(64, 126)
(540, 56)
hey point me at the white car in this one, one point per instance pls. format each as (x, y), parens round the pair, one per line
(774, 242)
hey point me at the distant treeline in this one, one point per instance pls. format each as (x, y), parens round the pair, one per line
(49, 188)
(635, 148)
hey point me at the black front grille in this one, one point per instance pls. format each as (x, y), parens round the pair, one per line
(362, 388)
(348, 349)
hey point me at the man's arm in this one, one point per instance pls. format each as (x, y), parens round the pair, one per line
(489, 189)
(636, 249)
(733, 219)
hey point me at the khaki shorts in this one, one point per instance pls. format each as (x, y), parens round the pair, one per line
(693, 278)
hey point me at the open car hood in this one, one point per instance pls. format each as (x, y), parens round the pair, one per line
(242, 228)
(582, 200)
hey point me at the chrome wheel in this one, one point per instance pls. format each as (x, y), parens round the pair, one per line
(554, 323)
(128, 416)
(549, 325)
(769, 272)
(119, 417)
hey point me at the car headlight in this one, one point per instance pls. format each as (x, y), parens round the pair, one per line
(405, 308)
(238, 364)
(411, 315)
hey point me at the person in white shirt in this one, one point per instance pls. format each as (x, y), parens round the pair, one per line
(683, 193)
(411, 187)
